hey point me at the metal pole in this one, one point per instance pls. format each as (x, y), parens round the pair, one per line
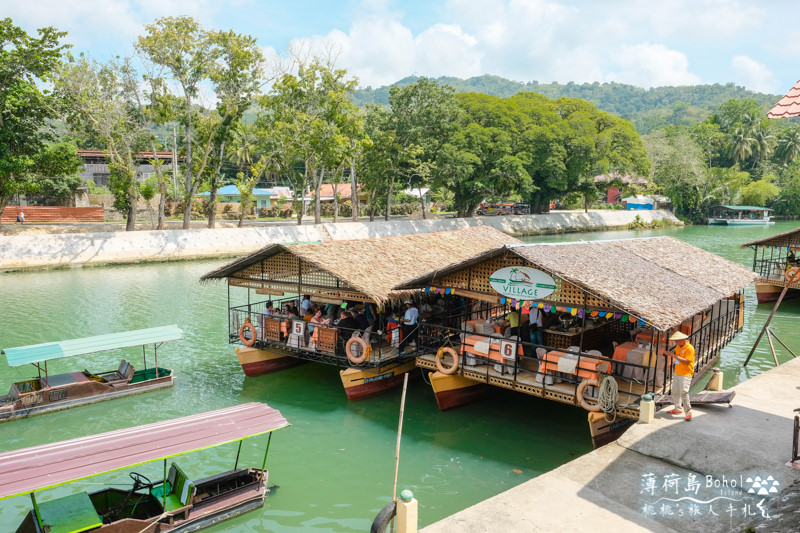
(780, 341)
(264, 464)
(795, 277)
(236, 464)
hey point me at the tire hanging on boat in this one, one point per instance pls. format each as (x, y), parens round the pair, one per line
(440, 366)
(365, 350)
(247, 325)
(579, 394)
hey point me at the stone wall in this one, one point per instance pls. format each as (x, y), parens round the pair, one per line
(20, 252)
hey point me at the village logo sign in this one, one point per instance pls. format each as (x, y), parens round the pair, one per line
(522, 283)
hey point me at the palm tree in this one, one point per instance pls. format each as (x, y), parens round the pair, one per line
(244, 147)
(764, 143)
(741, 144)
(789, 145)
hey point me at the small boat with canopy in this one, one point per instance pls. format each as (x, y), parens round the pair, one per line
(49, 392)
(175, 502)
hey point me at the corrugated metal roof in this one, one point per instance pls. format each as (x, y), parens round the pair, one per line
(36, 353)
(38, 467)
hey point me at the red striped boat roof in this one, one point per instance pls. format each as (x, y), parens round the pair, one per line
(38, 467)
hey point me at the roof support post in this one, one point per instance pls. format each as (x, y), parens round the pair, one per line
(236, 464)
(264, 464)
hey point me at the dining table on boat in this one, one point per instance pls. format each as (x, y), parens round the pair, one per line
(488, 347)
(638, 354)
(556, 361)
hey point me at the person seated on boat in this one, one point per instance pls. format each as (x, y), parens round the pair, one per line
(270, 309)
(318, 320)
(346, 325)
(791, 260)
(305, 305)
(361, 318)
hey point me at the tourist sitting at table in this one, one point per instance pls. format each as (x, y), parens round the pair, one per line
(270, 309)
(347, 325)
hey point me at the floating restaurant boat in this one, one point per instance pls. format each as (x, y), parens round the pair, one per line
(48, 392)
(739, 215)
(174, 503)
(772, 258)
(341, 275)
(608, 308)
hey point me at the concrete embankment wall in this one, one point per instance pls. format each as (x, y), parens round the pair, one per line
(21, 252)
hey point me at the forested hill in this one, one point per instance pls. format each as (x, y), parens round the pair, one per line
(648, 109)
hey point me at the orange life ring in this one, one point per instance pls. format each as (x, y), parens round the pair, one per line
(579, 393)
(248, 325)
(793, 275)
(365, 350)
(440, 366)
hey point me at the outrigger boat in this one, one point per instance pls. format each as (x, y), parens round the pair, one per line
(48, 392)
(341, 275)
(173, 503)
(773, 257)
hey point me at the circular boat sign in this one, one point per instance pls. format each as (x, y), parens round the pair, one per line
(522, 283)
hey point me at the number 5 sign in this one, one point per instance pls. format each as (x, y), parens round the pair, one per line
(298, 327)
(507, 349)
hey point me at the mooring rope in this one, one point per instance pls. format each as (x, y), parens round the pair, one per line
(608, 396)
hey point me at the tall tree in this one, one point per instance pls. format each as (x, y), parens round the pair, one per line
(102, 100)
(26, 64)
(184, 48)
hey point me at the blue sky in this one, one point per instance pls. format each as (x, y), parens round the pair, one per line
(643, 43)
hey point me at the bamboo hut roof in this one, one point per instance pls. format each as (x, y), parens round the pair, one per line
(374, 266)
(779, 239)
(661, 280)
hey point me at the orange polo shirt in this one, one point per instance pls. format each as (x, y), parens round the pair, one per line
(687, 352)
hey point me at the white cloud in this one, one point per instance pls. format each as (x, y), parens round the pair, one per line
(754, 75)
(651, 65)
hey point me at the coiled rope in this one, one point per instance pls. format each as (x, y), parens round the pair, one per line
(607, 397)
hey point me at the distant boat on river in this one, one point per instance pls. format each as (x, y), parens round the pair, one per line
(739, 215)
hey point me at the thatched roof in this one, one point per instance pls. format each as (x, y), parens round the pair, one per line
(661, 280)
(779, 239)
(374, 266)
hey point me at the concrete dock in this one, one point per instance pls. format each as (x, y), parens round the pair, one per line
(723, 471)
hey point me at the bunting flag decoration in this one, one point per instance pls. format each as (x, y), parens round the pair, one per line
(514, 303)
(625, 318)
(574, 311)
(427, 289)
(617, 316)
(581, 314)
(632, 318)
(609, 315)
(502, 301)
(594, 313)
(541, 305)
(546, 308)
(448, 291)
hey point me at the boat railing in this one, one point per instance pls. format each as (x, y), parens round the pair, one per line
(325, 343)
(522, 361)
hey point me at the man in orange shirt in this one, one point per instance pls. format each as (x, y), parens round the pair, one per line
(683, 359)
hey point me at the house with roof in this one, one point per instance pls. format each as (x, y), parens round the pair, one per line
(328, 190)
(262, 198)
(619, 185)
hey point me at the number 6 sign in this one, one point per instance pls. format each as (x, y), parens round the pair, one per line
(507, 349)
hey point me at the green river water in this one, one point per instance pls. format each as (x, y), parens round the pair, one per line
(335, 465)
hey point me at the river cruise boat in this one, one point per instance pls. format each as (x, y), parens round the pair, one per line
(773, 258)
(583, 323)
(50, 392)
(176, 501)
(739, 215)
(353, 317)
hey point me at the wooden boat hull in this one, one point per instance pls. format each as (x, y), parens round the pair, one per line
(72, 395)
(738, 222)
(454, 391)
(256, 362)
(360, 384)
(766, 292)
(603, 431)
